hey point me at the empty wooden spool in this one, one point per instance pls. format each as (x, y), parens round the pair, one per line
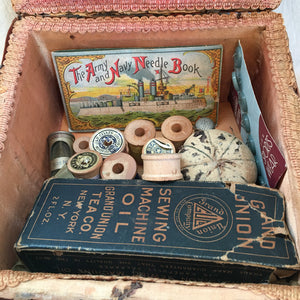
(118, 166)
(161, 167)
(81, 144)
(137, 133)
(177, 129)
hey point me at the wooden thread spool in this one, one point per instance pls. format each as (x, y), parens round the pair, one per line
(107, 141)
(85, 164)
(161, 167)
(158, 145)
(81, 144)
(137, 133)
(177, 129)
(118, 166)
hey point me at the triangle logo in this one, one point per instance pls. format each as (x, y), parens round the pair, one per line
(202, 216)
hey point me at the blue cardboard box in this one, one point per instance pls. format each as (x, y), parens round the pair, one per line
(178, 230)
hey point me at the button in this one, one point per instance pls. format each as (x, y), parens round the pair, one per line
(235, 81)
(243, 102)
(261, 181)
(246, 122)
(237, 57)
(250, 143)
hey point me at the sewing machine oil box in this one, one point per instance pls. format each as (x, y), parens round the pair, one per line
(31, 108)
(178, 230)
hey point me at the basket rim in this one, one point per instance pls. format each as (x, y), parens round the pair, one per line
(10, 280)
(54, 7)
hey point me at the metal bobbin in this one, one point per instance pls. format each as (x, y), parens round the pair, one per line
(60, 149)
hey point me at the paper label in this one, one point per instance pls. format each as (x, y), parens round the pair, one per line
(273, 160)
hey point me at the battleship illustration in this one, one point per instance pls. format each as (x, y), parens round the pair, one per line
(157, 98)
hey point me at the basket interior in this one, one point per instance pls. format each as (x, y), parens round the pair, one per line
(37, 110)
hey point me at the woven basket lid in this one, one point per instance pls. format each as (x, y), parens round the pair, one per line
(56, 7)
